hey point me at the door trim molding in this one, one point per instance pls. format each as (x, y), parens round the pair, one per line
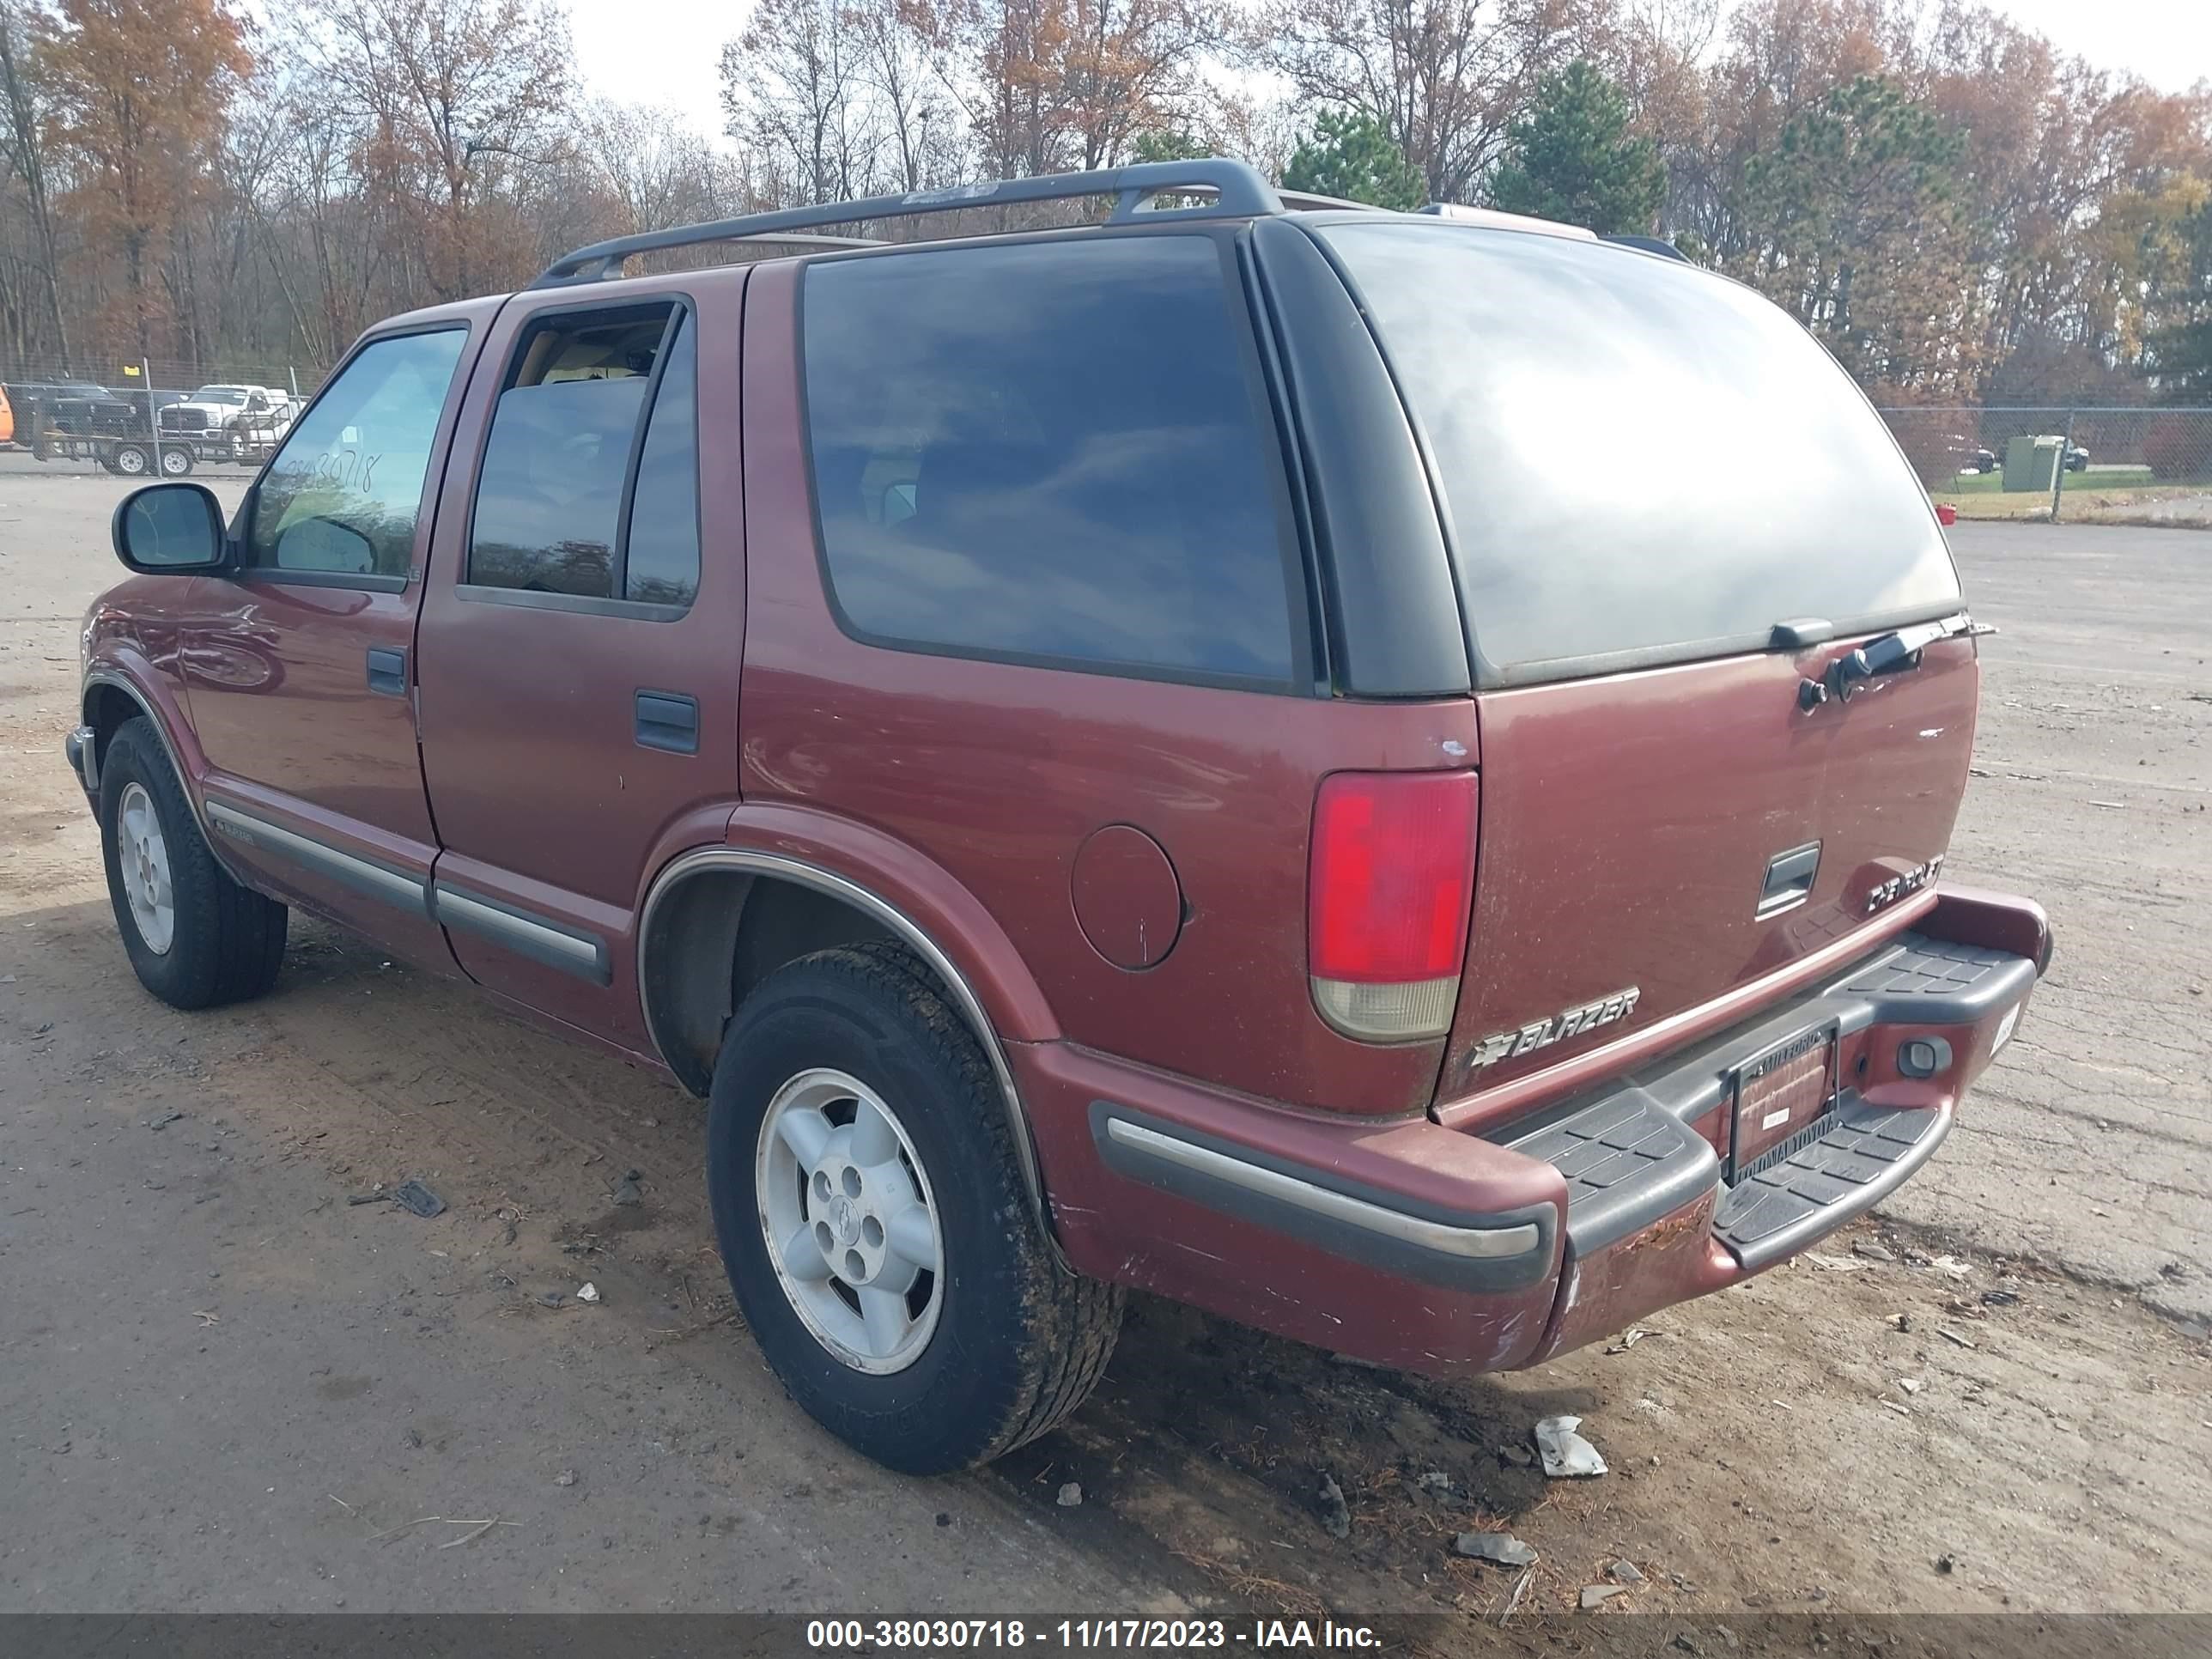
(378, 881)
(525, 933)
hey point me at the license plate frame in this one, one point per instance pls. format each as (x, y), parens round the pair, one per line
(1770, 1093)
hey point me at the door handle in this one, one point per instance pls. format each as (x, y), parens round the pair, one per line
(668, 720)
(1789, 879)
(387, 671)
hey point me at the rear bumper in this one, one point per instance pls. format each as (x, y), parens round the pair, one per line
(1416, 1245)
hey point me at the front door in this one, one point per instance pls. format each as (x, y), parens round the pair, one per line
(300, 667)
(578, 656)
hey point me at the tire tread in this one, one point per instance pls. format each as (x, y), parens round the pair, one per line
(1063, 1325)
(1077, 1319)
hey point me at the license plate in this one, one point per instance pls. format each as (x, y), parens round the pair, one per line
(1782, 1093)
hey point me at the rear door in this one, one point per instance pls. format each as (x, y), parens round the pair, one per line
(579, 655)
(1668, 509)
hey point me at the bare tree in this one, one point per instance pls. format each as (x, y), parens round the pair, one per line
(456, 95)
(1445, 77)
(23, 149)
(792, 85)
(921, 142)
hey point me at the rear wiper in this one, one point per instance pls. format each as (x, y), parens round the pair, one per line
(1893, 654)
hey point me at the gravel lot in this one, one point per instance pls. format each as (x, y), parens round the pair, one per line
(223, 1388)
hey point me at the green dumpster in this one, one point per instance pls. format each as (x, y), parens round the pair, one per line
(2032, 462)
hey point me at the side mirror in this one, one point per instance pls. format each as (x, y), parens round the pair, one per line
(170, 529)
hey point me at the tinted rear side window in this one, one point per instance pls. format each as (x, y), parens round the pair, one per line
(1050, 452)
(1640, 458)
(564, 458)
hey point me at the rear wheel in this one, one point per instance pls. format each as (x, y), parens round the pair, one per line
(133, 461)
(176, 461)
(195, 936)
(873, 1220)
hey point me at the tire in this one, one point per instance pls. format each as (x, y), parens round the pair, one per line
(223, 942)
(1002, 1341)
(133, 461)
(176, 461)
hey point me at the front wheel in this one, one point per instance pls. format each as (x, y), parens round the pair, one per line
(176, 461)
(873, 1220)
(133, 461)
(195, 936)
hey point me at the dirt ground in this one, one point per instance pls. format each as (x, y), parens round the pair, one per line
(224, 1386)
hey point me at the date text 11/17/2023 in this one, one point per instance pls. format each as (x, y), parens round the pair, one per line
(881, 1634)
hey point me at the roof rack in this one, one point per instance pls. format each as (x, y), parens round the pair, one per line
(1239, 192)
(1498, 219)
(1664, 249)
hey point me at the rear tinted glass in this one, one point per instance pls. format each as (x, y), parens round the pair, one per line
(1640, 458)
(1050, 452)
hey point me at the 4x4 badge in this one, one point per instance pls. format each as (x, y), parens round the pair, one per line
(1906, 881)
(1543, 1033)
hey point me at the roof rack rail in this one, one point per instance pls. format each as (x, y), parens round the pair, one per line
(1498, 219)
(1664, 249)
(1239, 193)
(1297, 200)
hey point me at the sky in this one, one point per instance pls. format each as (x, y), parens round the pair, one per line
(669, 51)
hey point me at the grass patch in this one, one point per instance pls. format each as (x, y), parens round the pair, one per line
(2096, 477)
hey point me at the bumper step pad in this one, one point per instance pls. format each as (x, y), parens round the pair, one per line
(1843, 1171)
(1628, 1164)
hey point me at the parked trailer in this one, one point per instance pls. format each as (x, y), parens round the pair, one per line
(130, 451)
(131, 457)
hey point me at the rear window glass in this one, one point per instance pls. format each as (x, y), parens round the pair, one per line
(1640, 458)
(1050, 452)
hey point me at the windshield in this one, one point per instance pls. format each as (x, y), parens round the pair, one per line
(220, 394)
(1642, 461)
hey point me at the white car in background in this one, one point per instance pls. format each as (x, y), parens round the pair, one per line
(230, 421)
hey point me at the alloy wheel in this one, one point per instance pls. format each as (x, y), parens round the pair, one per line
(850, 1225)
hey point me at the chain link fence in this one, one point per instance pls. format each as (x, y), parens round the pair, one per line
(2079, 463)
(171, 379)
(93, 412)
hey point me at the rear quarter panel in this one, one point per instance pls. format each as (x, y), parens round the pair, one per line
(996, 773)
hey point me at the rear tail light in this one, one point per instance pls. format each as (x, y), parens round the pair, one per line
(1392, 883)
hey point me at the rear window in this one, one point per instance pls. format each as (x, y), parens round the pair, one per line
(1642, 461)
(1052, 452)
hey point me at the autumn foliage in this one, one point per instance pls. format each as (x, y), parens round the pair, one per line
(1955, 208)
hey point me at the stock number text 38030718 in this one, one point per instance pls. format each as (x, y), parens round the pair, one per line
(1083, 1634)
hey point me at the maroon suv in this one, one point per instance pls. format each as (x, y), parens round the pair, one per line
(1379, 773)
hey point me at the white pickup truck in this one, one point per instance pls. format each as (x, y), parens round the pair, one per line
(229, 423)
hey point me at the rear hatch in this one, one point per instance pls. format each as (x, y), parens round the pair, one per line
(1668, 510)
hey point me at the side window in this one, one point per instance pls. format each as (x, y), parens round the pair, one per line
(662, 566)
(1053, 451)
(342, 494)
(565, 458)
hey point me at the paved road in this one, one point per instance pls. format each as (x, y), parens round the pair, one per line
(2090, 1144)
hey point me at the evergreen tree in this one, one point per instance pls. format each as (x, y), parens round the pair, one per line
(2179, 349)
(1572, 158)
(1862, 224)
(1352, 156)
